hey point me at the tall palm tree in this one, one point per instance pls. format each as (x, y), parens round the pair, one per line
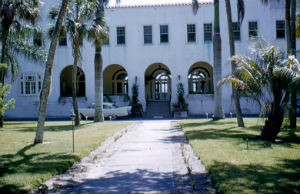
(13, 13)
(292, 39)
(217, 49)
(98, 66)
(241, 13)
(78, 24)
(14, 36)
(48, 74)
(267, 77)
(77, 18)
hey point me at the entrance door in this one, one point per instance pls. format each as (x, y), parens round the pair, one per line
(161, 88)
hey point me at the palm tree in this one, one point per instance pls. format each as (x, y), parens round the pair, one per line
(78, 25)
(241, 13)
(292, 39)
(15, 36)
(13, 13)
(217, 49)
(267, 77)
(98, 63)
(48, 74)
(78, 15)
(290, 27)
(98, 66)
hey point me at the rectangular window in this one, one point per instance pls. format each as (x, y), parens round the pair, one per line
(63, 38)
(252, 29)
(30, 84)
(147, 34)
(121, 35)
(280, 29)
(106, 41)
(164, 34)
(191, 33)
(37, 39)
(236, 31)
(207, 32)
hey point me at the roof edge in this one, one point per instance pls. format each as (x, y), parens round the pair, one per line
(157, 5)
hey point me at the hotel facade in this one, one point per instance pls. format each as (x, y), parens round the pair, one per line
(156, 44)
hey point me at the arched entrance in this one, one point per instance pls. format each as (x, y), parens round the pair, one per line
(158, 82)
(115, 80)
(200, 78)
(66, 82)
(158, 90)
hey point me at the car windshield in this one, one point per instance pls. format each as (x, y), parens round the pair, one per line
(105, 105)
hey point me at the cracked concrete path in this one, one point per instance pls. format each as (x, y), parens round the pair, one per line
(150, 157)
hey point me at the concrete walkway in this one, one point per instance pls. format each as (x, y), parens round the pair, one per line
(149, 157)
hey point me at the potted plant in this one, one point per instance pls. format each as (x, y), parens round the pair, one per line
(181, 107)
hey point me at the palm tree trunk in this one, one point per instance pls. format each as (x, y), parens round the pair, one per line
(99, 73)
(48, 75)
(217, 49)
(273, 124)
(98, 87)
(288, 25)
(5, 32)
(292, 113)
(275, 117)
(74, 84)
(236, 96)
(5, 24)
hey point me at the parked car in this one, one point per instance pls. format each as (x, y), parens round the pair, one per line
(109, 111)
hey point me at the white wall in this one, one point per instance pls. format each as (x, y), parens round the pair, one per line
(178, 55)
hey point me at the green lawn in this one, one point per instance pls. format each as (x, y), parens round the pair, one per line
(264, 168)
(23, 166)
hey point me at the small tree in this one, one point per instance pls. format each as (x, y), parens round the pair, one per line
(181, 104)
(135, 97)
(267, 77)
(4, 91)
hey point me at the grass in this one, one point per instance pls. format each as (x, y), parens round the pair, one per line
(264, 168)
(24, 166)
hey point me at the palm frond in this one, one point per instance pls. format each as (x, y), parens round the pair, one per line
(241, 11)
(53, 13)
(195, 6)
(237, 83)
(13, 65)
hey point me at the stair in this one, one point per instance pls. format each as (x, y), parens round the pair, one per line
(158, 109)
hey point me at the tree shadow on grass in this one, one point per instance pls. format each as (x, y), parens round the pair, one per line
(209, 122)
(34, 164)
(47, 128)
(211, 133)
(287, 137)
(254, 178)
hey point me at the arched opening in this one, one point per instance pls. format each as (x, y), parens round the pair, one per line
(158, 82)
(200, 78)
(66, 82)
(115, 80)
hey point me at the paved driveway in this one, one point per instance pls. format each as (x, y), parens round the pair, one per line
(145, 158)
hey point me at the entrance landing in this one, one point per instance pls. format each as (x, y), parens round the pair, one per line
(158, 109)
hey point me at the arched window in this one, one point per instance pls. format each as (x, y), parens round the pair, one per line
(120, 83)
(200, 81)
(31, 83)
(66, 82)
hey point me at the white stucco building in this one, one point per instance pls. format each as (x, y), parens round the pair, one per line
(157, 43)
